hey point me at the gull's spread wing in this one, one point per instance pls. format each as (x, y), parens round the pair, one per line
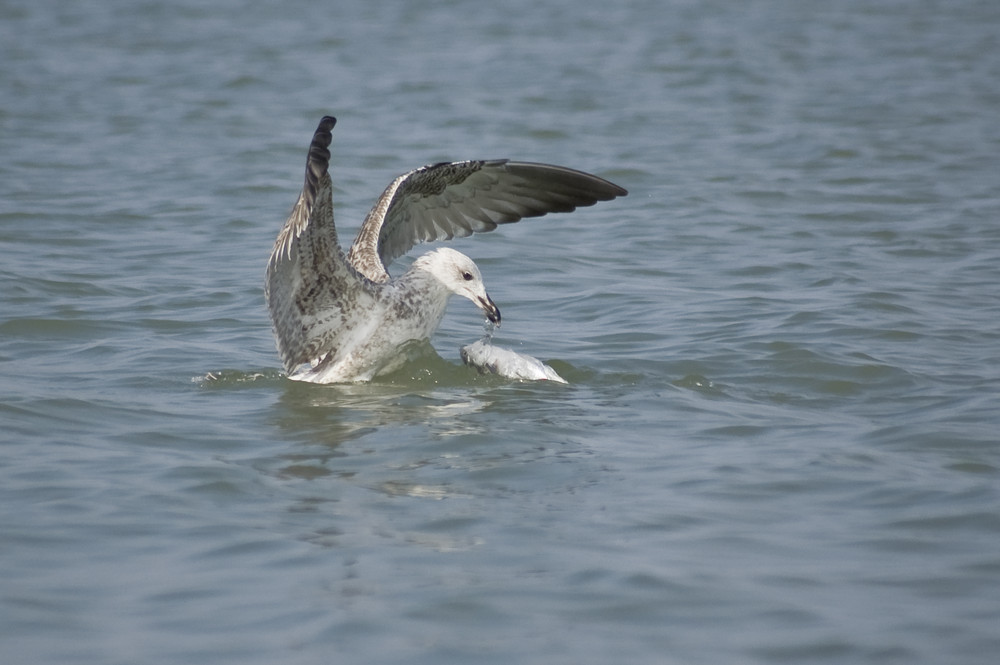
(309, 286)
(442, 201)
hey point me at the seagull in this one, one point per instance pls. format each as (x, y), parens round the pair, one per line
(340, 317)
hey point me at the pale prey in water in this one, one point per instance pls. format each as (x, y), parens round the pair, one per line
(340, 317)
(489, 359)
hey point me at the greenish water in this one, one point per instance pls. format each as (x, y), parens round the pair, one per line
(779, 440)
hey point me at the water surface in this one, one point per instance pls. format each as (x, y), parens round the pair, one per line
(779, 441)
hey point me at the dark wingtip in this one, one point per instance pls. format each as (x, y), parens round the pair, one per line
(323, 136)
(611, 190)
(322, 139)
(318, 160)
(605, 190)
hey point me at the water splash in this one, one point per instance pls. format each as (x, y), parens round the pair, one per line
(489, 328)
(233, 377)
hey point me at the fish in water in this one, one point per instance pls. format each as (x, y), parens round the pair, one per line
(489, 359)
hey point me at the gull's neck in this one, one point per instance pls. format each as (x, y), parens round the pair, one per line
(419, 295)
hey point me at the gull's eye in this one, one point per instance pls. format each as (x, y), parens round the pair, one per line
(467, 276)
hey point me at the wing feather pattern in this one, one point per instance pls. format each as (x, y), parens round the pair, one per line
(309, 286)
(455, 199)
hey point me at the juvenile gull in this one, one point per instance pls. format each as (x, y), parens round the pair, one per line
(340, 318)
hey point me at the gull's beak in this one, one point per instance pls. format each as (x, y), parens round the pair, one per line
(491, 309)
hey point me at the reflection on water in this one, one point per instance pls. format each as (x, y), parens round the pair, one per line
(338, 413)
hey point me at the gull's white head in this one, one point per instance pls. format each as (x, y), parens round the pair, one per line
(460, 275)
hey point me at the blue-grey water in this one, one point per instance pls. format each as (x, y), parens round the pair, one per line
(781, 438)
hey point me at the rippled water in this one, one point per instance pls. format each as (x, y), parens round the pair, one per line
(780, 439)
